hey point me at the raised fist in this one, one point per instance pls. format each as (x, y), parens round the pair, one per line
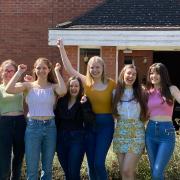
(57, 67)
(28, 78)
(22, 68)
(59, 43)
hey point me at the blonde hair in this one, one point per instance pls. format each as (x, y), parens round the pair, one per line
(89, 78)
(8, 62)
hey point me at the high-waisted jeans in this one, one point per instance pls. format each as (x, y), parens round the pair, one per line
(40, 139)
(160, 143)
(12, 129)
(97, 143)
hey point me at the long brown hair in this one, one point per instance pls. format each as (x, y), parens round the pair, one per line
(51, 76)
(137, 91)
(165, 81)
(81, 89)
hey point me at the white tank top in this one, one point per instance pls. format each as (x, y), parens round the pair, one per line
(40, 102)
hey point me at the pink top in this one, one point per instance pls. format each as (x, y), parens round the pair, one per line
(157, 106)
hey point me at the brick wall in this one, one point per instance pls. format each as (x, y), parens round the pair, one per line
(24, 26)
(109, 56)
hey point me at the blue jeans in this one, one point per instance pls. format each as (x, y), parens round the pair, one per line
(70, 151)
(160, 143)
(12, 129)
(40, 138)
(97, 143)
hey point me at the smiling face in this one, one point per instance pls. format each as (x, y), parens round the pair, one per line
(154, 77)
(74, 88)
(41, 70)
(130, 77)
(7, 72)
(95, 69)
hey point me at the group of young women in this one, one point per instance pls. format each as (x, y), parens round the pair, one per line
(84, 117)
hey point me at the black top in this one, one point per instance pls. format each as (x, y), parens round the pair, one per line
(75, 118)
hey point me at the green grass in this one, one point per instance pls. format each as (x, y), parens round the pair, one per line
(142, 173)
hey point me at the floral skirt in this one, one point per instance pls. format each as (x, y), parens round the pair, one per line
(129, 136)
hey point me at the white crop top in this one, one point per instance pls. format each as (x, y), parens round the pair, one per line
(40, 102)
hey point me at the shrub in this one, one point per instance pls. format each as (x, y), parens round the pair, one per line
(142, 173)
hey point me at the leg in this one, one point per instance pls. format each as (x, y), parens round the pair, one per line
(151, 148)
(129, 166)
(18, 147)
(62, 151)
(6, 138)
(33, 137)
(121, 157)
(165, 151)
(104, 135)
(76, 154)
(90, 146)
(151, 143)
(48, 151)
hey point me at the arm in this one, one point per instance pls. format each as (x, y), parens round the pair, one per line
(175, 92)
(60, 88)
(67, 64)
(13, 87)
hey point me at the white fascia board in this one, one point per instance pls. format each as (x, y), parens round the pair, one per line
(152, 40)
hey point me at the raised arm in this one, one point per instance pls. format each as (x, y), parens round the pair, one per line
(60, 88)
(13, 87)
(175, 93)
(66, 62)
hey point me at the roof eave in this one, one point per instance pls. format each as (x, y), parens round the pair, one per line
(144, 39)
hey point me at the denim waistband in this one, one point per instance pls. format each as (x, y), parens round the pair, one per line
(161, 122)
(40, 121)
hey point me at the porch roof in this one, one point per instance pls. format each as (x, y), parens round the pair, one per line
(129, 14)
(134, 24)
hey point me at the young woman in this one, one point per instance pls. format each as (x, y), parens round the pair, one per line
(73, 112)
(40, 135)
(98, 88)
(12, 126)
(160, 133)
(129, 107)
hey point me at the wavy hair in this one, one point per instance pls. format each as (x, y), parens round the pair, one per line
(165, 81)
(137, 91)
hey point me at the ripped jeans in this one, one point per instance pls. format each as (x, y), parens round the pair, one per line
(160, 143)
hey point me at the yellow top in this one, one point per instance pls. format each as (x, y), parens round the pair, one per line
(101, 100)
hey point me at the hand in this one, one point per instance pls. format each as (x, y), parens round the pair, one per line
(22, 68)
(57, 67)
(83, 99)
(28, 78)
(60, 43)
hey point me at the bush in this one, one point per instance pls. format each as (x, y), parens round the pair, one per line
(143, 169)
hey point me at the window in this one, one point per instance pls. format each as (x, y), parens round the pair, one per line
(85, 55)
(128, 60)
